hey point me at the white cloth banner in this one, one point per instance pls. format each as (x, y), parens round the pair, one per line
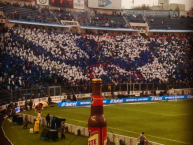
(43, 2)
(78, 4)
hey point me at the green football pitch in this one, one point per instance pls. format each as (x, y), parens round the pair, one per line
(169, 123)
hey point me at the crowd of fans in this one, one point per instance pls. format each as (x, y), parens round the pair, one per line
(28, 55)
(91, 17)
(94, 18)
(30, 13)
(46, 15)
(135, 18)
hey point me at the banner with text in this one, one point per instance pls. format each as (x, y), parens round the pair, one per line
(78, 4)
(125, 100)
(105, 4)
(42, 2)
(153, 13)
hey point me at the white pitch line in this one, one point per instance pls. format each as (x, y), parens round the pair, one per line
(140, 103)
(4, 132)
(151, 136)
(149, 111)
(171, 140)
(136, 132)
(71, 119)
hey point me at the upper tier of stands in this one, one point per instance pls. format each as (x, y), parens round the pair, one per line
(92, 17)
(54, 16)
(28, 14)
(171, 23)
(135, 18)
(101, 20)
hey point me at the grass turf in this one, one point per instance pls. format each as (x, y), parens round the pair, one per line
(169, 123)
(20, 136)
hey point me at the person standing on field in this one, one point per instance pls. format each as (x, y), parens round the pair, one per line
(26, 122)
(39, 117)
(142, 139)
(30, 104)
(48, 120)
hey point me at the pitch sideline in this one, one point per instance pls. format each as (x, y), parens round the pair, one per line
(135, 132)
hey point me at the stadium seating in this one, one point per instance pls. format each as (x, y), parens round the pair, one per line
(54, 16)
(92, 18)
(31, 55)
(171, 23)
(20, 13)
(135, 18)
(101, 20)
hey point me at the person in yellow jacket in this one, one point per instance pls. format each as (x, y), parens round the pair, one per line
(36, 125)
(39, 117)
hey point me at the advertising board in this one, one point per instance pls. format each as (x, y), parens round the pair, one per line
(105, 4)
(17, 109)
(154, 13)
(125, 100)
(62, 3)
(78, 4)
(42, 2)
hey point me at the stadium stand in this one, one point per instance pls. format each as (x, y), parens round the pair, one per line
(135, 18)
(45, 15)
(36, 15)
(93, 18)
(103, 20)
(30, 54)
(171, 23)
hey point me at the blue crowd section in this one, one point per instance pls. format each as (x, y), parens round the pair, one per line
(115, 59)
(124, 100)
(13, 65)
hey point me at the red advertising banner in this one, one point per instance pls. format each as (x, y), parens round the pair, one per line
(62, 3)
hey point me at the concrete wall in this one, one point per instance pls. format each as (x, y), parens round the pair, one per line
(173, 6)
(139, 24)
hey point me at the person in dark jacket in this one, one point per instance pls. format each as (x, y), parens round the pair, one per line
(49, 100)
(26, 105)
(15, 104)
(13, 111)
(26, 122)
(142, 139)
(48, 120)
(30, 104)
(53, 123)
